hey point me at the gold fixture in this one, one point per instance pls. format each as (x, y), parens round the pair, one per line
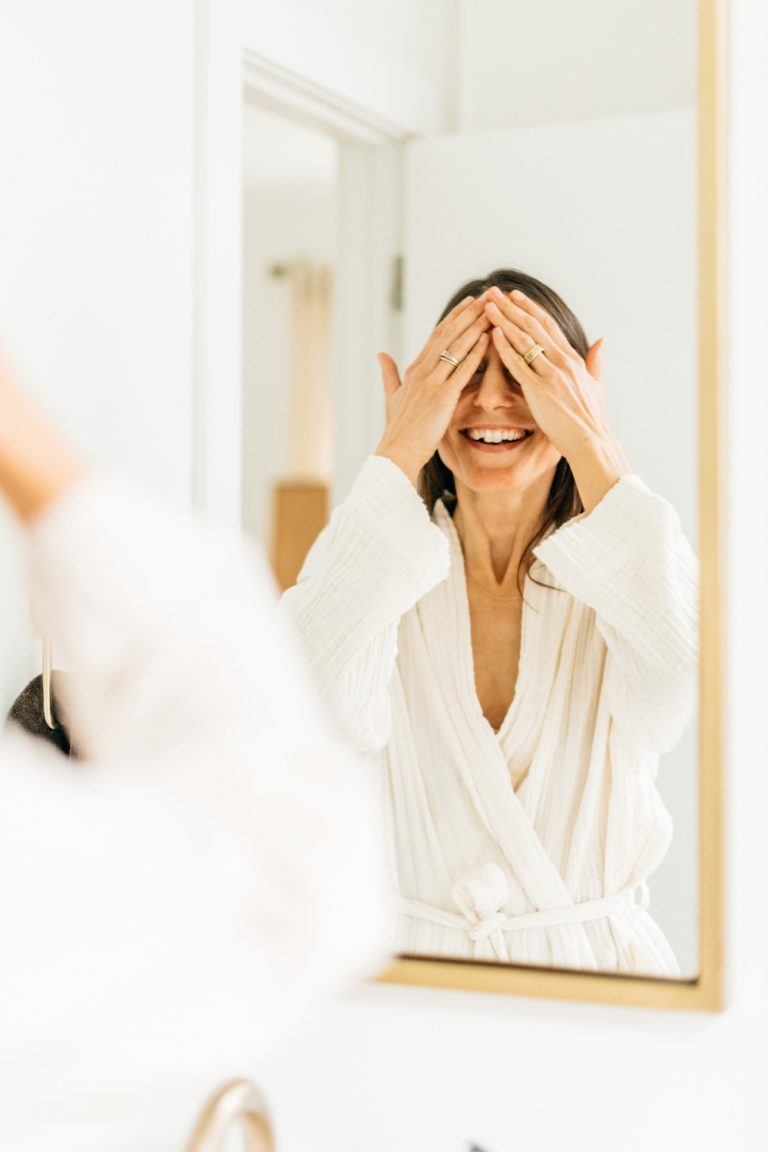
(236, 1101)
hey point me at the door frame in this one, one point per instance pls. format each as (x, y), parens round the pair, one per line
(228, 74)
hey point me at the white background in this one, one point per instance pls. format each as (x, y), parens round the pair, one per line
(98, 107)
(97, 203)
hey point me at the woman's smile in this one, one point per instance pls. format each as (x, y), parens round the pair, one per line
(495, 438)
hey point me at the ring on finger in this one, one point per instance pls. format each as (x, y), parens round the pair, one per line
(450, 358)
(532, 353)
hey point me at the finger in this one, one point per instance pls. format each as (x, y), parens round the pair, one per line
(522, 340)
(390, 377)
(594, 359)
(528, 330)
(462, 375)
(512, 360)
(449, 330)
(454, 313)
(556, 346)
(460, 348)
(545, 318)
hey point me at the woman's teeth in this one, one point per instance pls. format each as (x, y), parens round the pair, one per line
(495, 436)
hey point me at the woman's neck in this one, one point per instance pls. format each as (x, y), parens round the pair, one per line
(495, 529)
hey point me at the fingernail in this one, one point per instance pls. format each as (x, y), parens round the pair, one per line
(518, 294)
(494, 309)
(497, 292)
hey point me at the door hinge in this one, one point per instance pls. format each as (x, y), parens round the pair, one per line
(396, 284)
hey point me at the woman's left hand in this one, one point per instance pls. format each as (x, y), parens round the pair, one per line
(562, 390)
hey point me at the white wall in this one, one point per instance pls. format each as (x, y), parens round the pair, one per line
(556, 60)
(96, 229)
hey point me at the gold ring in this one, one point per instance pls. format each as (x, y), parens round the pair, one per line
(532, 353)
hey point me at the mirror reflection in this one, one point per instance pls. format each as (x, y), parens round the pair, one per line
(503, 605)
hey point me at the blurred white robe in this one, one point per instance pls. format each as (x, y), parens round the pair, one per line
(532, 844)
(173, 909)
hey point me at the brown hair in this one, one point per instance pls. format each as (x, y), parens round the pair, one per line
(436, 480)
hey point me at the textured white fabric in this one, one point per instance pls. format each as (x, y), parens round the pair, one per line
(562, 799)
(480, 905)
(172, 910)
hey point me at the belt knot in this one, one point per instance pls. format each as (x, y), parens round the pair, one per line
(480, 896)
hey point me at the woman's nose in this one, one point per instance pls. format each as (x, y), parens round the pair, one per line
(496, 389)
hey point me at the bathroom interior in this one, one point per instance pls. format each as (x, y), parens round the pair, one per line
(259, 198)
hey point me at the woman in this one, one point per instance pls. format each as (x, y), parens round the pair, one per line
(175, 906)
(523, 648)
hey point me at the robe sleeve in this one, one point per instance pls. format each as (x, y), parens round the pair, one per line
(378, 556)
(629, 561)
(177, 904)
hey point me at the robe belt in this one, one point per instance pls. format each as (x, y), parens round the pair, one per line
(627, 900)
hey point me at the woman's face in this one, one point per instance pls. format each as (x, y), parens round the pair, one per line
(513, 453)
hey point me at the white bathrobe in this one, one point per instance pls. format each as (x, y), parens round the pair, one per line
(532, 844)
(171, 910)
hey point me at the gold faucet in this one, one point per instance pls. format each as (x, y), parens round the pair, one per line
(238, 1100)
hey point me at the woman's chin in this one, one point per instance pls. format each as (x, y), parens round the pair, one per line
(494, 474)
(491, 479)
(489, 468)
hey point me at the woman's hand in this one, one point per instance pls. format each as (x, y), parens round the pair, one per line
(36, 463)
(563, 391)
(419, 409)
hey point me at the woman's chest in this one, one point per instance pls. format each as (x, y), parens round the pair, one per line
(509, 661)
(496, 636)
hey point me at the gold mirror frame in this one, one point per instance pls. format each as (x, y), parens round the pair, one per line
(704, 993)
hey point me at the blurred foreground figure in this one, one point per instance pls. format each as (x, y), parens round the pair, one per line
(173, 905)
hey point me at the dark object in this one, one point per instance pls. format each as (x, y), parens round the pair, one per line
(27, 710)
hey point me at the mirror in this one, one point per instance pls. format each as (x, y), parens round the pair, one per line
(532, 705)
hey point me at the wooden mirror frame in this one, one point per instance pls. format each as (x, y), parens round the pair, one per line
(703, 993)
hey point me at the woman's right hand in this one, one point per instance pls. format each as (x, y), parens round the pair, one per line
(419, 408)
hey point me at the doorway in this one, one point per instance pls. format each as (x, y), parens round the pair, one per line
(290, 210)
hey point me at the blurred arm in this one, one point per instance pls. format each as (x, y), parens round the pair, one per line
(175, 907)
